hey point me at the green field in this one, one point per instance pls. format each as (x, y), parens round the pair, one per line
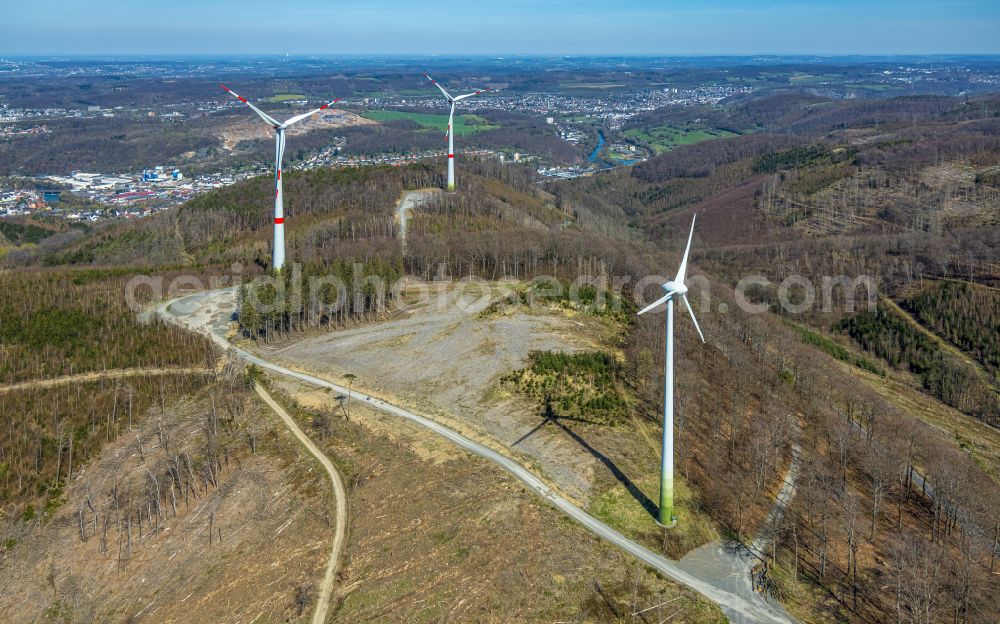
(623, 156)
(872, 87)
(665, 138)
(591, 85)
(430, 90)
(464, 124)
(286, 97)
(802, 77)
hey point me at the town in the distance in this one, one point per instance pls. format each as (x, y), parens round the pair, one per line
(592, 116)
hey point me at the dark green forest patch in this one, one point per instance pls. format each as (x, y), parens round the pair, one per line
(942, 374)
(584, 386)
(965, 315)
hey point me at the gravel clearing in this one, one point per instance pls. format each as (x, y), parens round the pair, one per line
(446, 359)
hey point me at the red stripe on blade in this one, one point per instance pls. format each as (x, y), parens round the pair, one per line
(451, 155)
(279, 220)
(242, 99)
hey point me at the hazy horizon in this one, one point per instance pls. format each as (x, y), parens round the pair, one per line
(761, 56)
(558, 27)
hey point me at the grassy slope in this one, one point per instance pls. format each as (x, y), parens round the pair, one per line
(464, 124)
(664, 138)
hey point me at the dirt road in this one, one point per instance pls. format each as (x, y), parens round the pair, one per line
(728, 565)
(409, 201)
(98, 375)
(340, 495)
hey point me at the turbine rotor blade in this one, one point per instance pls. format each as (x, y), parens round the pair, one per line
(435, 82)
(691, 312)
(468, 95)
(682, 271)
(298, 118)
(658, 302)
(261, 113)
(330, 103)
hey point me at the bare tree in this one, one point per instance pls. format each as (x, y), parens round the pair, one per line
(350, 377)
(843, 439)
(881, 471)
(849, 523)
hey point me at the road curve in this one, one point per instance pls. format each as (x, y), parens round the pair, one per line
(340, 495)
(735, 607)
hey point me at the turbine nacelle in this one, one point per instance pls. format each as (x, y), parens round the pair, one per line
(675, 288)
(271, 121)
(451, 99)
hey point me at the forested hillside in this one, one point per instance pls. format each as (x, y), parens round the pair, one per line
(502, 224)
(966, 315)
(77, 369)
(110, 145)
(51, 433)
(894, 518)
(887, 194)
(943, 375)
(55, 323)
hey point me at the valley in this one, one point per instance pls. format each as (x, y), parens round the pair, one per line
(443, 406)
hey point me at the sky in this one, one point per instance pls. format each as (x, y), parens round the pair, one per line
(477, 27)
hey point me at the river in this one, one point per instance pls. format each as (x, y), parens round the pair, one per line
(597, 150)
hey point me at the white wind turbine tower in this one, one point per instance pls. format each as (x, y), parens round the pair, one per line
(451, 130)
(279, 152)
(675, 288)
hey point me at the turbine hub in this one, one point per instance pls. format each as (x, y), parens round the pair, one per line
(676, 287)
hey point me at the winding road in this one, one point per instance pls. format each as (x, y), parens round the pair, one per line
(211, 312)
(340, 495)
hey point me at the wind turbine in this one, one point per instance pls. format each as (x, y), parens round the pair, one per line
(451, 130)
(279, 152)
(675, 288)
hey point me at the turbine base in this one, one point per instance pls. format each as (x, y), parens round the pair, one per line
(671, 525)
